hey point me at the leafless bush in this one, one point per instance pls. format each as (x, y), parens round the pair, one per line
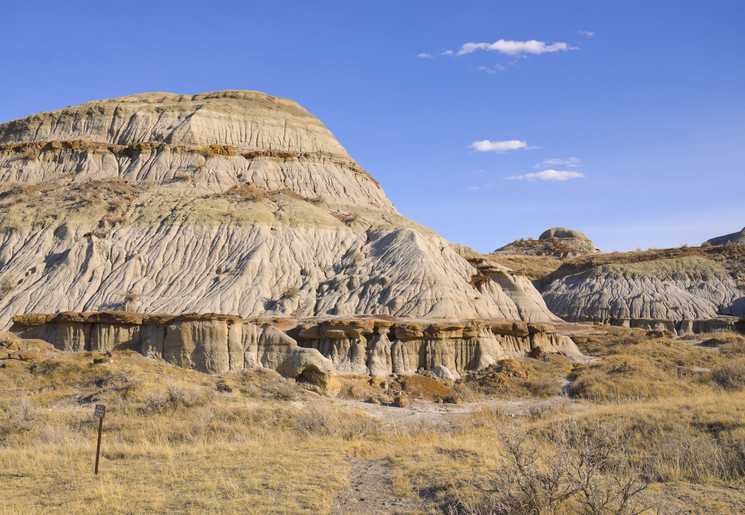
(324, 419)
(289, 293)
(583, 469)
(683, 455)
(18, 417)
(730, 376)
(175, 397)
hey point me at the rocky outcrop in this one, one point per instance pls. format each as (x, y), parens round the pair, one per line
(736, 238)
(555, 242)
(673, 294)
(311, 350)
(230, 202)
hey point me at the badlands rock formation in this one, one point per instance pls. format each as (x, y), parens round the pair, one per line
(555, 242)
(311, 350)
(240, 204)
(736, 238)
(682, 295)
(233, 202)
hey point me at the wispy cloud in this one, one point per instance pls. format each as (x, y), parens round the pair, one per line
(482, 187)
(571, 162)
(547, 175)
(586, 33)
(424, 55)
(447, 52)
(490, 69)
(498, 146)
(514, 47)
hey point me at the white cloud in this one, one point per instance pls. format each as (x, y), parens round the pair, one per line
(424, 55)
(547, 175)
(490, 69)
(498, 146)
(447, 52)
(586, 33)
(514, 47)
(571, 162)
(483, 187)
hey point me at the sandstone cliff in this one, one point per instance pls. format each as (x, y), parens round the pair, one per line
(232, 202)
(310, 350)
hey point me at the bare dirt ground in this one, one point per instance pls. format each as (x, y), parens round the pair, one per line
(427, 414)
(370, 490)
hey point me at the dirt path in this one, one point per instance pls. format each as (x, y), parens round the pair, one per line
(421, 413)
(371, 490)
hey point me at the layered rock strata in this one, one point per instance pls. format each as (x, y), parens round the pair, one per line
(230, 202)
(313, 350)
(683, 295)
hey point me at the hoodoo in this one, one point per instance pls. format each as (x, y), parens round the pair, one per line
(233, 203)
(555, 242)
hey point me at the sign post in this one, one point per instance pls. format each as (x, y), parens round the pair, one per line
(99, 412)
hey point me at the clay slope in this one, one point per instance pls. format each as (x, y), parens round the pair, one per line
(229, 202)
(736, 238)
(663, 290)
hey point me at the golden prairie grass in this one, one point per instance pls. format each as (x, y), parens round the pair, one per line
(180, 441)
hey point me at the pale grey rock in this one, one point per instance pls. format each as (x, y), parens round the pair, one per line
(321, 238)
(443, 372)
(319, 350)
(688, 288)
(556, 242)
(246, 120)
(736, 238)
(562, 232)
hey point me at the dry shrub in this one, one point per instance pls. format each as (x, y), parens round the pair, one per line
(248, 192)
(727, 342)
(487, 416)
(289, 293)
(265, 384)
(16, 417)
(176, 397)
(730, 376)
(686, 454)
(131, 298)
(580, 469)
(543, 386)
(325, 419)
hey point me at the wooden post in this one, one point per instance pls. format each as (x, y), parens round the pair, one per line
(100, 412)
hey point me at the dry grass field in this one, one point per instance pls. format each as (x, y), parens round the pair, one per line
(654, 424)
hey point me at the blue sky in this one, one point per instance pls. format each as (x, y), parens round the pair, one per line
(638, 105)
